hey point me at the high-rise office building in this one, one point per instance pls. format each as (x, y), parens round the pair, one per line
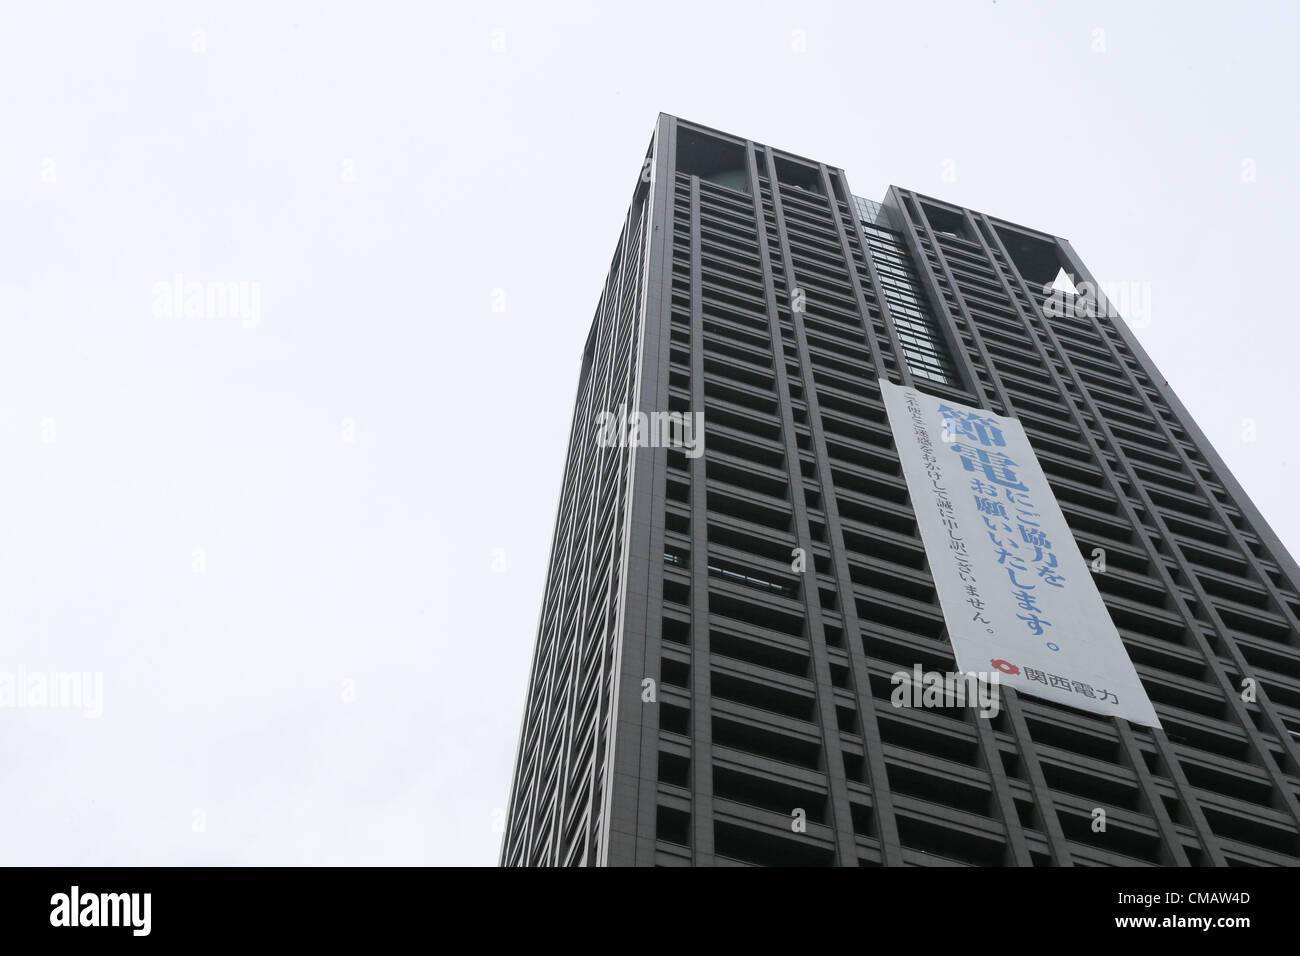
(699, 695)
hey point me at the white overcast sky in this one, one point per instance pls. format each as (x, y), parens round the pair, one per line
(183, 512)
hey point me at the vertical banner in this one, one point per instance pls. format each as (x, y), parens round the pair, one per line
(1017, 595)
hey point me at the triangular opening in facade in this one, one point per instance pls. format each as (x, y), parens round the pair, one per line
(1063, 283)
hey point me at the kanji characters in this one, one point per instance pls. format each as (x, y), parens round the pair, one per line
(971, 424)
(995, 466)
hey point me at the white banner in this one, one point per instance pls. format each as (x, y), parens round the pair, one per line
(1016, 593)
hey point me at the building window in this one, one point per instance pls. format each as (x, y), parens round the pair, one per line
(922, 341)
(714, 160)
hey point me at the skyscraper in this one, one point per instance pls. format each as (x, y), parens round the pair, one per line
(728, 602)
